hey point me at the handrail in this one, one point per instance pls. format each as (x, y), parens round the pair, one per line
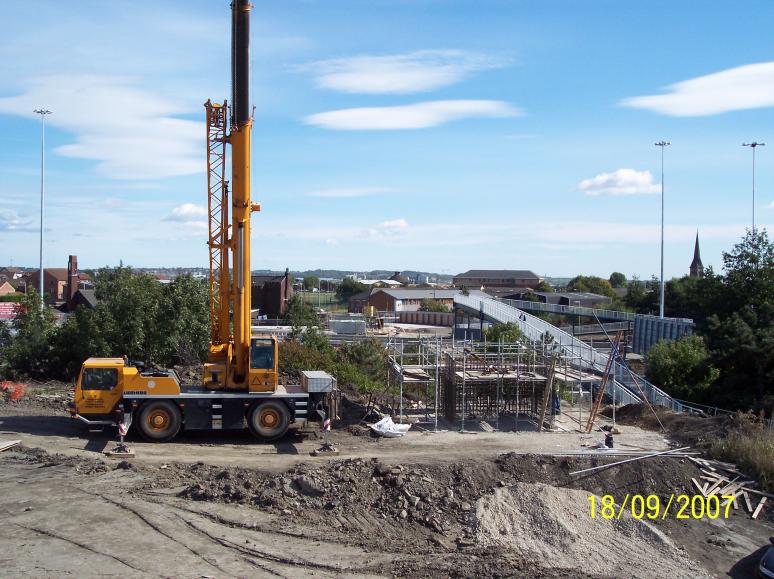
(583, 355)
(579, 354)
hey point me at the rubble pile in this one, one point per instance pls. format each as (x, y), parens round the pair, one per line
(438, 498)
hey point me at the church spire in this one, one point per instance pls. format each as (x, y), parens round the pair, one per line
(697, 268)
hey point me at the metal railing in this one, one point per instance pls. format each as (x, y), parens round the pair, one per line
(596, 328)
(579, 354)
(601, 314)
(625, 385)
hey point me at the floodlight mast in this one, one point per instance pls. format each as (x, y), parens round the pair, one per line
(42, 113)
(662, 144)
(754, 145)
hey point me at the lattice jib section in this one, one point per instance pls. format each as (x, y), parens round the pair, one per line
(217, 208)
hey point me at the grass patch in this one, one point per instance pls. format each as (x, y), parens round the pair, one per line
(750, 444)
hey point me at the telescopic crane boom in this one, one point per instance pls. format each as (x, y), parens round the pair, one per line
(240, 383)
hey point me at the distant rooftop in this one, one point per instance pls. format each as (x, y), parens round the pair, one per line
(423, 293)
(499, 274)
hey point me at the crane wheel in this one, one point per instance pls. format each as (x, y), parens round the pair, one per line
(159, 421)
(269, 420)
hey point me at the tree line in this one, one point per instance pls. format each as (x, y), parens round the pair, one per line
(135, 316)
(730, 360)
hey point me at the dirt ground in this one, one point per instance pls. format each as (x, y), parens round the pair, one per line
(218, 505)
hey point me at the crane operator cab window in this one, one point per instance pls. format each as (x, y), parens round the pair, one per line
(262, 354)
(99, 378)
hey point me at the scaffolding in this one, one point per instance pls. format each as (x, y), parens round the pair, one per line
(487, 385)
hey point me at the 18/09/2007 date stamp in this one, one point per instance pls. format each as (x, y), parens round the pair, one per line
(653, 507)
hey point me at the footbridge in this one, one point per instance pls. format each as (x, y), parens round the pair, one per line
(645, 330)
(624, 386)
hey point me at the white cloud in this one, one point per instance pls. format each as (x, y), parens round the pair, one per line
(131, 133)
(187, 212)
(771, 205)
(390, 228)
(411, 72)
(190, 216)
(744, 87)
(415, 116)
(620, 182)
(350, 192)
(11, 221)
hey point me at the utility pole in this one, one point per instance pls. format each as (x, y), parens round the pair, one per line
(42, 113)
(662, 144)
(753, 146)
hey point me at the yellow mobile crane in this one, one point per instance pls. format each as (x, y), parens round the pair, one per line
(241, 378)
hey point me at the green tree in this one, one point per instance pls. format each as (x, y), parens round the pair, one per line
(130, 305)
(740, 331)
(348, 288)
(507, 333)
(641, 297)
(82, 336)
(430, 305)
(182, 327)
(300, 315)
(28, 352)
(369, 356)
(530, 296)
(617, 279)
(592, 284)
(682, 368)
(311, 281)
(15, 297)
(544, 286)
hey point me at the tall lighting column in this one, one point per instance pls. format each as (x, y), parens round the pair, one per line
(753, 146)
(42, 113)
(662, 144)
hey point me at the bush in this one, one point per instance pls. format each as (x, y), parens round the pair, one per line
(749, 444)
(430, 305)
(507, 333)
(683, 368)
(135, 316)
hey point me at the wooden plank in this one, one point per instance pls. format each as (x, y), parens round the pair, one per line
(698, 486)
(6, 444)
(760, 493)
(713, 488)
(748, 503)
(759, 508)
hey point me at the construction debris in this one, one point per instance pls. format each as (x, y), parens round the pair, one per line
(596, 468)
(720, 485)
(387, 428)
(6, 444)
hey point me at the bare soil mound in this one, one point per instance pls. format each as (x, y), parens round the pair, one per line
(696, 430)
(553, 525)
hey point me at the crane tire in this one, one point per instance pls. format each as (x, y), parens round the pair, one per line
(269, 420)
(159, 421)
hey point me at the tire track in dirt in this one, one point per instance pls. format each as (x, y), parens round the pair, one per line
(54, 535)
(297, 563)
(156, 528)
(233, 547)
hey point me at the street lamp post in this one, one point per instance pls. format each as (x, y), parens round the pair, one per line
(42, 113)
(753, 146)
(662, 144)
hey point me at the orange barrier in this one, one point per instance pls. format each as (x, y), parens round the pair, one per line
(16, 390)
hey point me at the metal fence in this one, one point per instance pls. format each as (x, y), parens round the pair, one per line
(625, 386)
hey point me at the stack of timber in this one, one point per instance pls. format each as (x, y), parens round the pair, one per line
(723, 479)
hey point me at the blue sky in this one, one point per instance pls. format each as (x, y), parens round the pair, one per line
(425, 134)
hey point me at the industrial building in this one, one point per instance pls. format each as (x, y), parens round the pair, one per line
(501, 278)
(409, 300)
(270, 294)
